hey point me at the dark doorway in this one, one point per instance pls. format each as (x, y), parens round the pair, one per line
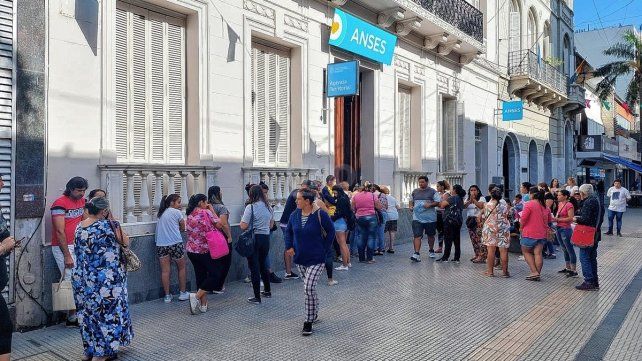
(509, 167)
(347, 140)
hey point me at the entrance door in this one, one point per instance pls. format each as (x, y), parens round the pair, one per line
(347, 142)
(509, 168)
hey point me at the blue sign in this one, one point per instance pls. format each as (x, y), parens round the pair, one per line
(360, 37)
(343, 79)
(513, 110)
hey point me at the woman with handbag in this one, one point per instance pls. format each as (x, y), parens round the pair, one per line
(534, 223)
(308, 238)
(586, 236)
(258, 216)
(496, 231)
(215, 198)
(453, 219)
(7, 243)
(201, 220)
(169, 244)
(99, 281)
(563, 218)
(343, 219)
(474, 204)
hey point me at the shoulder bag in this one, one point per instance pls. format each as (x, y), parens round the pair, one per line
(324, 234)
(377, 211)
(128, 258)
(217, 244)
(245, 243)
(583, 235)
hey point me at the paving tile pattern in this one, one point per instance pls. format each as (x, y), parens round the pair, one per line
(391, 310)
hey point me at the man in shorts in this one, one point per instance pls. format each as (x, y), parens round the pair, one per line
(66, 214)
(424, 216)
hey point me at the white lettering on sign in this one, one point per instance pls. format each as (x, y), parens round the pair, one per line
(369, 41)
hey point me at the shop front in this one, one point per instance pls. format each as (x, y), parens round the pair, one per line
(596, 155)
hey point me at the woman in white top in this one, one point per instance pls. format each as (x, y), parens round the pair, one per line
(571, 185)
(169, 244)
(391, 223)
(473, 205)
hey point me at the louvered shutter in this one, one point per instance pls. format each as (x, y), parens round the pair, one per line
(459, 135)
(270, 106)
(404, 127)
(138, 89)
(150, 86)
(121, 133)
(450, 134)
(157, 89)
(514, 31)
(176, 93)
(6, 122)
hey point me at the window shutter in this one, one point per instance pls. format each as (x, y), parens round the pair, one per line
(271, 106)
(458, 136)
(404, 127)
(121, 133)
(283, 149)
(176, 89)
(138, 91)
(157, 96)
(514, 31)
(450, 135)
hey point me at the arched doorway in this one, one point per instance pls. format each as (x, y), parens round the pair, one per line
(548, 163)
(509, 167)
(569, 155)
(532, 163)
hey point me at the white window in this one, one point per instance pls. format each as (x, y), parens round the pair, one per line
(150, 86)
(403, 116)
(452, 132)
(270, 106)
(514, 27)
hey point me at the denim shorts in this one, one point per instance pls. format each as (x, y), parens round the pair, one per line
(418, 229)
(340, 225)
(531, 242)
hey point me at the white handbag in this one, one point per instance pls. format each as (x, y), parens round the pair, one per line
(62, 295)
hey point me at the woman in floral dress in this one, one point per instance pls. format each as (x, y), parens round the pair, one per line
(496, 231)
(100, 285)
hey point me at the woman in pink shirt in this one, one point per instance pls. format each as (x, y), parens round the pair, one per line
(365, 204)
(535, 222)
(564, 217)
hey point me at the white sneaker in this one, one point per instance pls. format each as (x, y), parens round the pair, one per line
(431, 254)
(167, 298)
(194, 304)
(184, 296)
(247, 279)
(202, 308)
(350, 265)
(415, 257)
(342, 268)
(333, 282)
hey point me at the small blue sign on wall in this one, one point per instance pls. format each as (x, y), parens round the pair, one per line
(350, 33)
(342, 79)
(512, 110)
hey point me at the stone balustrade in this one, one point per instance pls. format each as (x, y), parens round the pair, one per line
(281, 181)
(407, 181)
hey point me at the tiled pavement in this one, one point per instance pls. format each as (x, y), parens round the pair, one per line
(394, 310)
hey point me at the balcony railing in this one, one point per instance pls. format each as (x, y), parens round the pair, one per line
(527, 63)
(458, 13)
(135, 190)
(280, 181)
(453, 177)
(407, 181)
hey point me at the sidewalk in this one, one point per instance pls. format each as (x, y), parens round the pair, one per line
(399, 310)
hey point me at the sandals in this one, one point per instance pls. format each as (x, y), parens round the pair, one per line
(533, 278)
(506, 275)
(478, 261)
(489, 274)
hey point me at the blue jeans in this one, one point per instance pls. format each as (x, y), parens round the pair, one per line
(618, 218)
(381, 236)
(588, 259)
(354, 240)
(564, 239)
(368, 229)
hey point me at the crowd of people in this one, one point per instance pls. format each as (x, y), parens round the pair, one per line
(321, 224)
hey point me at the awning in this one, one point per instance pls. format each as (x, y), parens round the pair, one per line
(624, 162)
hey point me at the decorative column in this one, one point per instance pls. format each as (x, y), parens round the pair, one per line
(145, 196)
(130, 201)
(184, 194)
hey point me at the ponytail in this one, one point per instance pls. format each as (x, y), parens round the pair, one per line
(166, 201)
(194, 200)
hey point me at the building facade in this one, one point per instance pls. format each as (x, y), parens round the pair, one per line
(150, 97)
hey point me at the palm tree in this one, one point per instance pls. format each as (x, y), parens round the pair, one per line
(629, 55)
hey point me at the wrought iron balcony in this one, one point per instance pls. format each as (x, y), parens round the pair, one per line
(532, 79)
(458, 13)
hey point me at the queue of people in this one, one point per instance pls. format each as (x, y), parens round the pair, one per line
(321, 224)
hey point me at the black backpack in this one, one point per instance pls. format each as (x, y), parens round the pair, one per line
(453, 215)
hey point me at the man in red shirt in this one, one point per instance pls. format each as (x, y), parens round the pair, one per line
(66, 214)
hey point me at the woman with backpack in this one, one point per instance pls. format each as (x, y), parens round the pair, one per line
(453, 220)
(308, 238)
(169, 244)
(534, 222)
(343, 219)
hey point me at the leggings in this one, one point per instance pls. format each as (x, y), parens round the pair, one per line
(222, 266)
(205, 270)
(452, 235)
(258, 266)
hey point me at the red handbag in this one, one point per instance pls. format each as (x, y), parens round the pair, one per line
(583, 236)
